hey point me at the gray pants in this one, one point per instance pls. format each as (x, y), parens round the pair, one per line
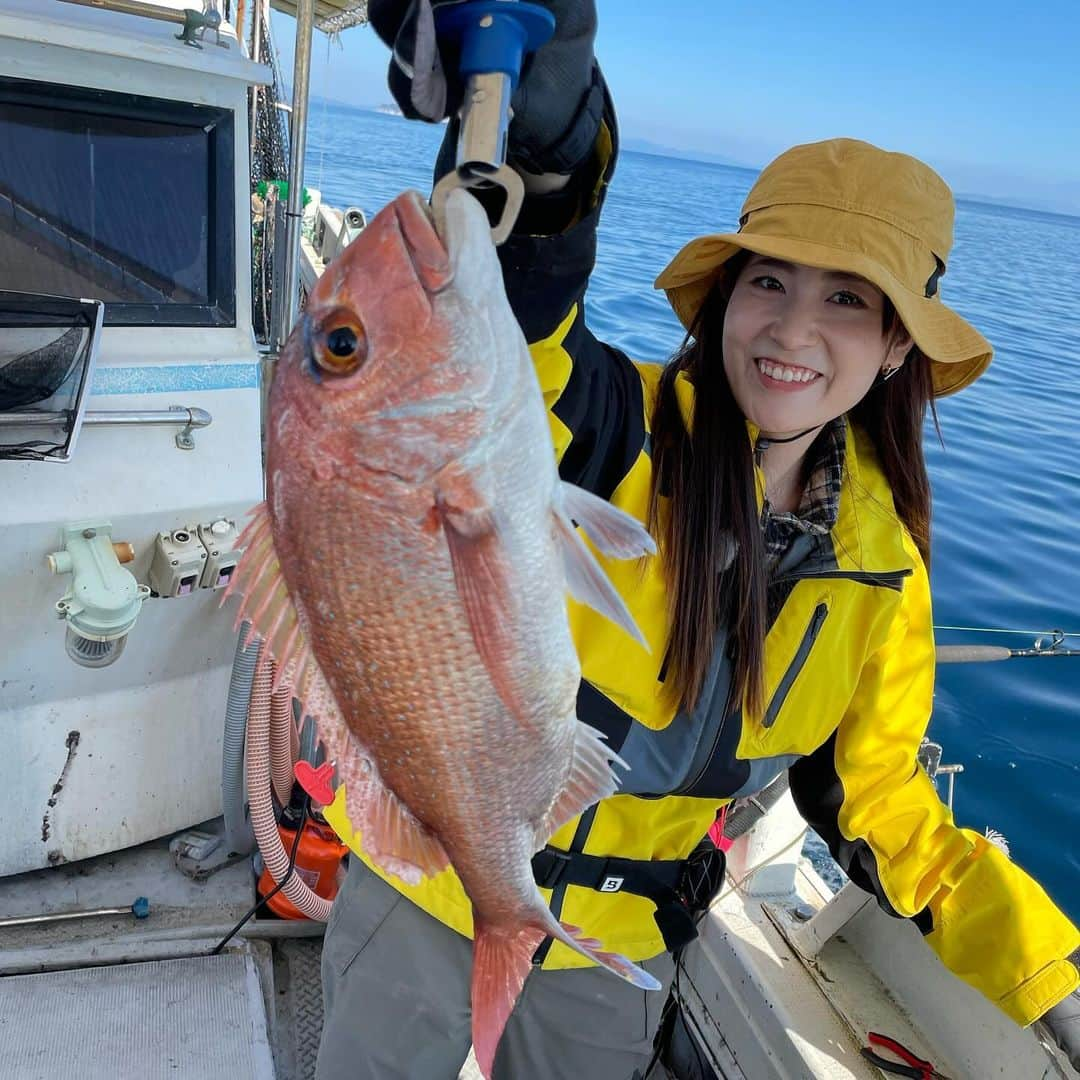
(396, 1002)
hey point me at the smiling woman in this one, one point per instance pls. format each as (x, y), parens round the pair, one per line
(799, 319)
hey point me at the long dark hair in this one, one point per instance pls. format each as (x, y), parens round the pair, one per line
(704, 506)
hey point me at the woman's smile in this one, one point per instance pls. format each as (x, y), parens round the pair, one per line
(786, 378)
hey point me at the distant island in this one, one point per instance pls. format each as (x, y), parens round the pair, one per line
(646, 146)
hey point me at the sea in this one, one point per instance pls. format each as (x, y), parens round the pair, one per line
(1006, 479)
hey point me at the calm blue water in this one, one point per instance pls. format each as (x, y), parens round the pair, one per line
(1006, 484)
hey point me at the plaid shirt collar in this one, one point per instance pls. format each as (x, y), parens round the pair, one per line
(820, 503)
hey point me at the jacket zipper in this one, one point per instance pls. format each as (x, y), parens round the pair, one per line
(888, 579)
(687, 786)
(797, 664)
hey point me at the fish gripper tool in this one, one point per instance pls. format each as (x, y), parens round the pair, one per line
(494, 36)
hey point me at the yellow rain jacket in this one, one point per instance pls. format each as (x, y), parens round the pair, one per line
(849, 674)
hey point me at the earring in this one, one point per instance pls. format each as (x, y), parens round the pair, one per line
(888, 372)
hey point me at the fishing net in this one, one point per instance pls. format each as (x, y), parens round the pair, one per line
(48, 345)
(269, 163)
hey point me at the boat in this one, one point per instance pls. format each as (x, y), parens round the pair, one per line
(156, 192)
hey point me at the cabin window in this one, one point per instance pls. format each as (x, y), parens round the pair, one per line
(119, 198)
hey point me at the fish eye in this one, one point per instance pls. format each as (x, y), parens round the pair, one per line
(342, 342)
(340, 346)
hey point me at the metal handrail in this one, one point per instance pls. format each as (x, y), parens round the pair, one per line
(188, 417)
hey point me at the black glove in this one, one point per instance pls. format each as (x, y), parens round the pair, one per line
(1063, 1023)
(558, 101)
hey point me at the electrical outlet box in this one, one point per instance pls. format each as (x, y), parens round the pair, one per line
(219, 539)
(179, 559)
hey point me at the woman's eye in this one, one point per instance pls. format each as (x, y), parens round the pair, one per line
(767, 281)
(848, 299)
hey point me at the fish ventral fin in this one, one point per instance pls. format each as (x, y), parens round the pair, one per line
(591, 779)
(587, 582)
(502, 959)
(482, 577)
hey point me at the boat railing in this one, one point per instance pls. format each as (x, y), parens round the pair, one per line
(187, 417)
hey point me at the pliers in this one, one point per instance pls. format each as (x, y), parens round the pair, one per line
(915, 1066)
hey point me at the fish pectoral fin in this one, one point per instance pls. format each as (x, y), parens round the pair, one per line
(273, 616)
(501, 960)
(614, 532)
(591, 779)
(587, 582)
(391, 835)
(482, 577)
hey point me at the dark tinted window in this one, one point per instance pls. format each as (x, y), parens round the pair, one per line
(118, 198)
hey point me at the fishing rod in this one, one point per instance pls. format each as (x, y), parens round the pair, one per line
(495, 36)
(1050, 644)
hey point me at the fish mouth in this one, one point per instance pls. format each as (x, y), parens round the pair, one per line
(465, 230)
(419, 231)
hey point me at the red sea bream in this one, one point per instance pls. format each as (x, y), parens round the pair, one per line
(409, 573)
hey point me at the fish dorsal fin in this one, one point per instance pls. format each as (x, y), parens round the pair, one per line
(615, 533)
(393, 837)
(273, 616)
(590, 779)
(587, 582)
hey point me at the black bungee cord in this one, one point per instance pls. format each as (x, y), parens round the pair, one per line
(277, 888)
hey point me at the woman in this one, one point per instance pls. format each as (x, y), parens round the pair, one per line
(778, 460)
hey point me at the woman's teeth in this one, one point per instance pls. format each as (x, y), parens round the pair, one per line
(784, 373)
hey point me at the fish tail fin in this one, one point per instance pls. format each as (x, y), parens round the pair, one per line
(502, 959)
(594, 950)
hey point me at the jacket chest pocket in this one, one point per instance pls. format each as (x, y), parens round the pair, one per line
(798, 662)
(806, 681)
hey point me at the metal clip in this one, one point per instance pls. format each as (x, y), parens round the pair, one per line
(494, 36)
(481, 153)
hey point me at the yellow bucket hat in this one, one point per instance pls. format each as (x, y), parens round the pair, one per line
(846, 205)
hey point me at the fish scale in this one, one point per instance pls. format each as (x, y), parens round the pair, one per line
(426, 546)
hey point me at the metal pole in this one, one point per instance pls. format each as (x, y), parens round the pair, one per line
(140, 909)
(136, 7)
(288, 300)
(181, 415)
(256, 55)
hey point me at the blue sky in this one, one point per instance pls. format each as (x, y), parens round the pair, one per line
(985, 92)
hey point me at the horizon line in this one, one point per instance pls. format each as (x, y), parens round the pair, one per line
(702, 157)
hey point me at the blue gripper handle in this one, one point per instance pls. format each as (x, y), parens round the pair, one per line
(516, 29)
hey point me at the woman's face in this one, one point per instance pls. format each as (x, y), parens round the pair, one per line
(802, 345)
